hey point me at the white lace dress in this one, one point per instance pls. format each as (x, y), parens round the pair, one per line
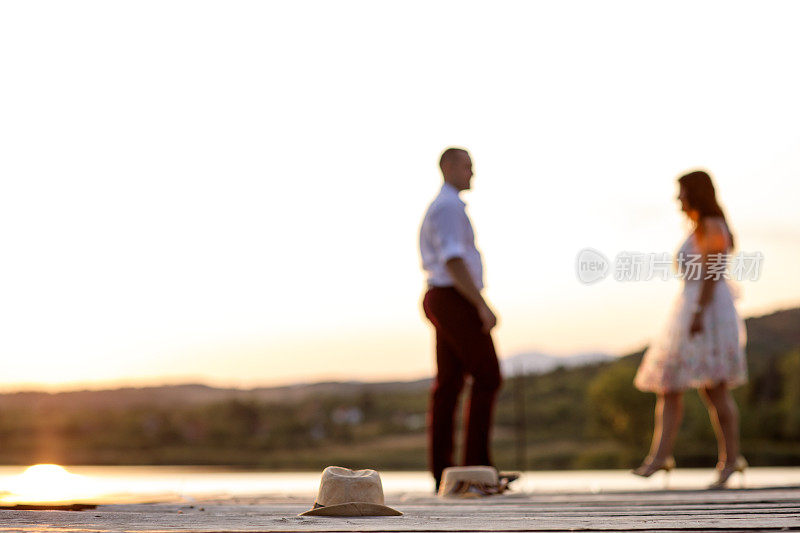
(676, 360)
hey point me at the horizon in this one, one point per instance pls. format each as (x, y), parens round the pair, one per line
(106, 386)
(378, 380)
(236, 199)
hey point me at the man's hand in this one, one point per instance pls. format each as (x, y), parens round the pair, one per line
(465, 285)
(488, 318)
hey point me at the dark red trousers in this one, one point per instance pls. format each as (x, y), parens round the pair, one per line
(461, 349)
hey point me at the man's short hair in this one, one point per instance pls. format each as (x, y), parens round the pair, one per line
(450, 155)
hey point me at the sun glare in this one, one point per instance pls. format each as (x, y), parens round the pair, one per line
(46, 483)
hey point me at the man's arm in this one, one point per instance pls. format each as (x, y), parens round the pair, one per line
(465, 285)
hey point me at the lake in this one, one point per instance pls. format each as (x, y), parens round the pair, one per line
(134, 484)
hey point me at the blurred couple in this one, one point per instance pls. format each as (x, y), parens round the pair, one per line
(702, 345)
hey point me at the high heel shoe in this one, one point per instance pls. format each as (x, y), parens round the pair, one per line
(649, 467)
(727, 470)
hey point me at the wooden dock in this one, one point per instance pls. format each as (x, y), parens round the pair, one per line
(768, 509)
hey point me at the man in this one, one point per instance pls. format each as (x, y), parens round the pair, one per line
(462, 319)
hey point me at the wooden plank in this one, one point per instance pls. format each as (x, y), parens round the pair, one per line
(755, 510)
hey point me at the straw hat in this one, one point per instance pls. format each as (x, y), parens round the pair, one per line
(345, 492)
(473, 481)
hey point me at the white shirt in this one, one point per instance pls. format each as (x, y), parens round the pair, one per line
(446, 233)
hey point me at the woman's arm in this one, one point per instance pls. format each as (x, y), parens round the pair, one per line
(712, 239)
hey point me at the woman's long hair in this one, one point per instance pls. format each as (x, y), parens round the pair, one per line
(701, 196)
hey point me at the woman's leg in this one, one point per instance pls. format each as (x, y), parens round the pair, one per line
(668, 416)
(724, 417)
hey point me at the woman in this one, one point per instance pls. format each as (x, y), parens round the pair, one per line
(702, 346)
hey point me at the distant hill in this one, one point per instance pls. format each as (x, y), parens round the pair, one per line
(540, 363)
(196, 394)
(771, 334)
(586, 415)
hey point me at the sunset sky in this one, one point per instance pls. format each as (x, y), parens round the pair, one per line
(230, 192)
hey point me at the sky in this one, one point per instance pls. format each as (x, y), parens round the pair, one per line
(230, 192)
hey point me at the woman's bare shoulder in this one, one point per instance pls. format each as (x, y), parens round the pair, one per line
(714, 235)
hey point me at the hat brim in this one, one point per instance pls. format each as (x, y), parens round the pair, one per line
(352, 509)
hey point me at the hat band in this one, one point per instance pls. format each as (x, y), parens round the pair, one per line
(465, 487)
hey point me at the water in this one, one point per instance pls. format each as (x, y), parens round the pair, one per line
(133, 484)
